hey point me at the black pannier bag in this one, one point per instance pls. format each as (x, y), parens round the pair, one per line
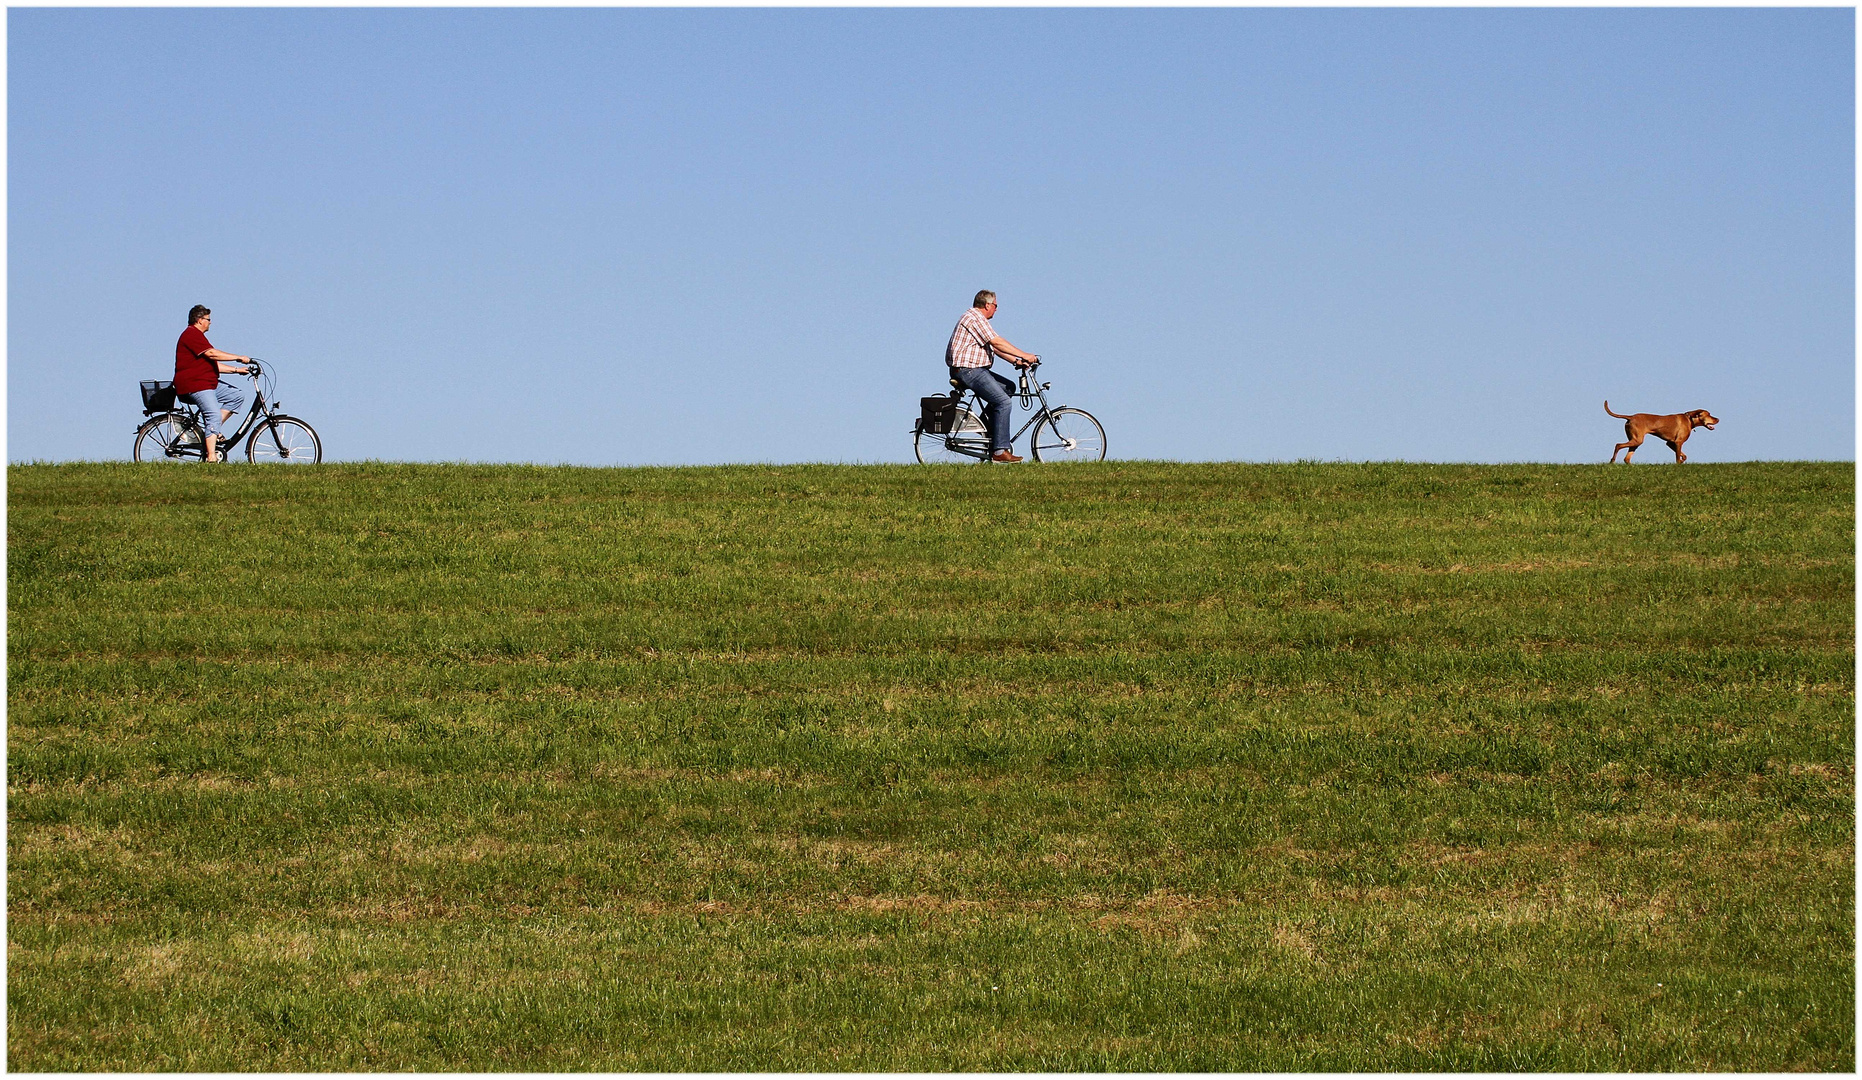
(937, 414)
(157, 396)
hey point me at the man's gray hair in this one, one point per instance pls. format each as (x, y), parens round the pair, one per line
(194, 313)
(982, 298)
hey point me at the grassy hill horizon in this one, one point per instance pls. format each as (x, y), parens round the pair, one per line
(1131, 766)
(1664, 457)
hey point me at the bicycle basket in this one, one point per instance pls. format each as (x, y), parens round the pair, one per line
(157, 396)
(937, 414)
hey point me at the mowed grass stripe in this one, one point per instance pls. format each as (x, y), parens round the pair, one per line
(1128, 766)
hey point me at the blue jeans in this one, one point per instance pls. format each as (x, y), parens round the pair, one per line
(209, 406)
(998, 396)
(232, 397)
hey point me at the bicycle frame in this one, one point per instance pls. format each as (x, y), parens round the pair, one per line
(1030, 391)
(260, 409)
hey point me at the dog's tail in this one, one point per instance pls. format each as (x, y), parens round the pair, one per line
(1606, 408)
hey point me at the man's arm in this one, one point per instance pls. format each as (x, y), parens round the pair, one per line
(1001, 347)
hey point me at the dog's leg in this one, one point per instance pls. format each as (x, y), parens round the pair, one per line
(1635, 440)
(1675, 445)
(1634, 444)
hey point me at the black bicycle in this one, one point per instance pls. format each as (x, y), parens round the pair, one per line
(175, 432)
(948, 430)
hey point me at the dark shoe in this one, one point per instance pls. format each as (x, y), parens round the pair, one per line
(1004, 456)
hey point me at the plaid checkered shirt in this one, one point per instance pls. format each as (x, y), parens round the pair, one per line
(969, 341)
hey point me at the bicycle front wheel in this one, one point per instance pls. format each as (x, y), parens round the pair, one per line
(284, 440)
(169, 438)
(968, 441)
(1068, 435)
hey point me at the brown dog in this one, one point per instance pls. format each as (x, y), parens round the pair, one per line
(1672, 429)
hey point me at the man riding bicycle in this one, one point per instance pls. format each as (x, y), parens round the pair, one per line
(973, 347)
(197, 374)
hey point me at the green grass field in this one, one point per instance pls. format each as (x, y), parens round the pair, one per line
(1130, 766)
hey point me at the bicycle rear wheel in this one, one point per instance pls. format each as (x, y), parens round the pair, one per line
(169, 437)
(284, 440)
(967, 433)
(1068, 435)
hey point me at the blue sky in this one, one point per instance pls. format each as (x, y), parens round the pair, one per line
(619, 236)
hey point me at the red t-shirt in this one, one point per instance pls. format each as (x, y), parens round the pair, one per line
(194, 372)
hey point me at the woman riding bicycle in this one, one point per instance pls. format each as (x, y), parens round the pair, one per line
(198, 366)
